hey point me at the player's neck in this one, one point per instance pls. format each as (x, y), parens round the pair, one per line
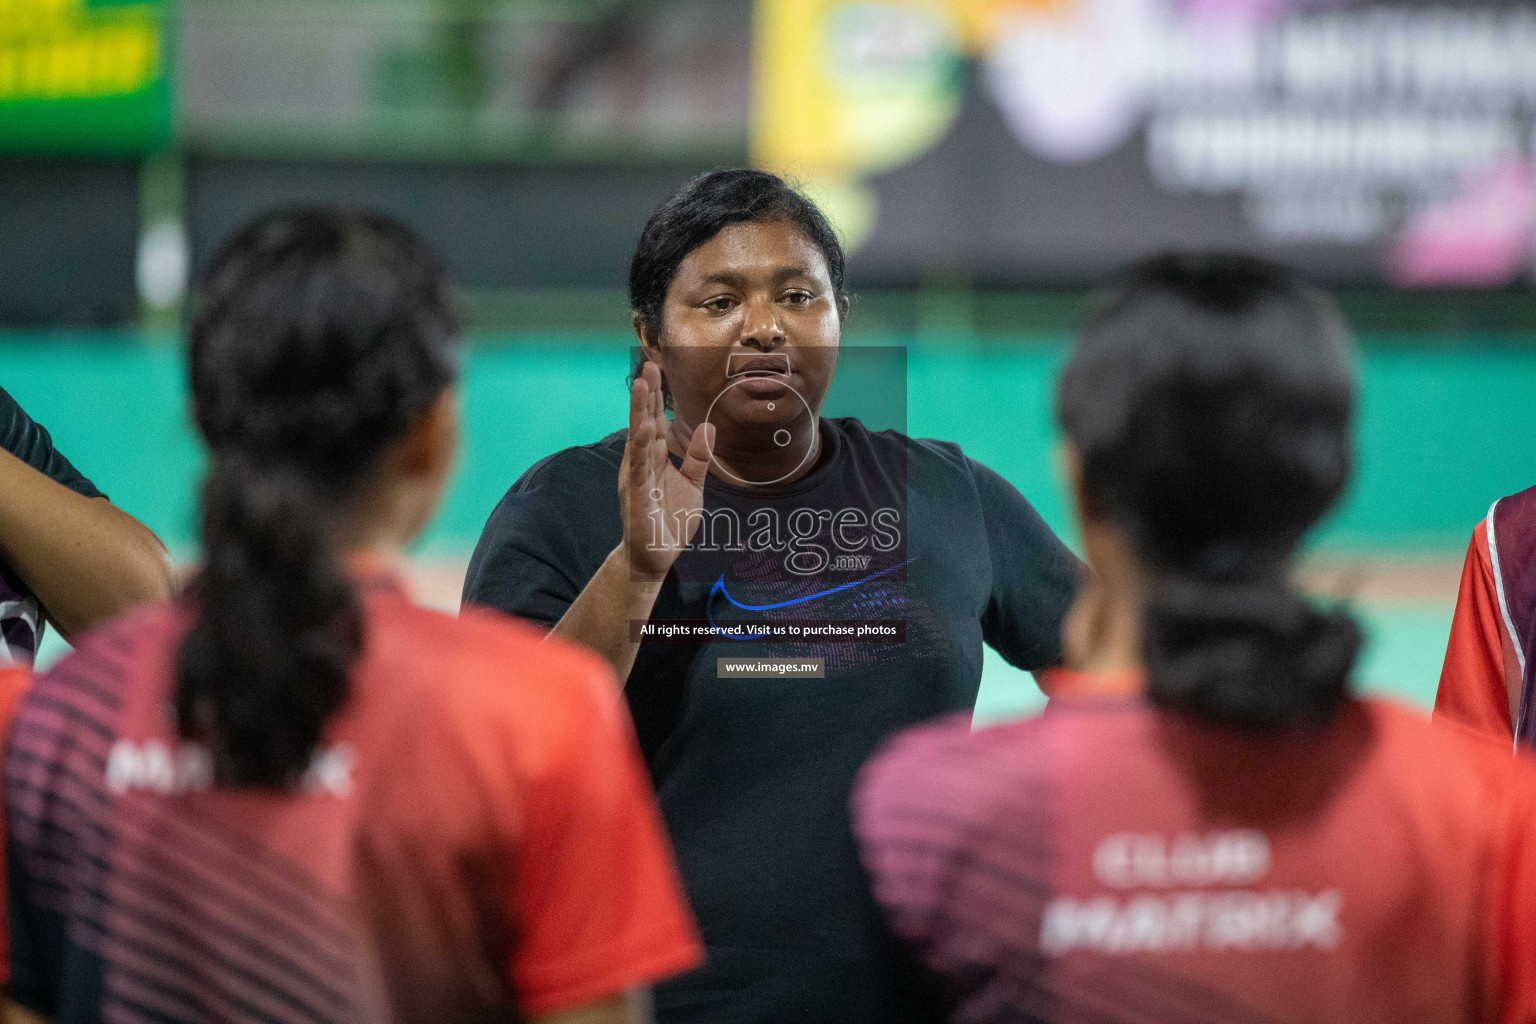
(380, 522)
(1116, 645)
(1103, 629)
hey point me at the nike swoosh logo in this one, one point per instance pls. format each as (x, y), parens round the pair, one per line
(719, 588)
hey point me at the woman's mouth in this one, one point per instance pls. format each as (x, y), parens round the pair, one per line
(763, 384)
(765, 376)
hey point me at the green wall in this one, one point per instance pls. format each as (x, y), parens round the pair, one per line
(1442, 432)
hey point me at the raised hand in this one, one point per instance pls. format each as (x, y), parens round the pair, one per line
(660, 502)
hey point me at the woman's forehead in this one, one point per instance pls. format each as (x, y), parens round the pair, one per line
(755, 252)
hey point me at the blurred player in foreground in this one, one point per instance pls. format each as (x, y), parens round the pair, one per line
(1205, 826)
(297, 796)
(1488, 675)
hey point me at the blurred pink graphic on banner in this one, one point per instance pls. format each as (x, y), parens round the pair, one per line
(1480, 238)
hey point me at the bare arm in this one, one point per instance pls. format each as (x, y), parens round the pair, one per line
(85, 559)
(601, 613)
(659, 503)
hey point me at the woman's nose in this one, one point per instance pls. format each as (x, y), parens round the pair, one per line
(761, 328)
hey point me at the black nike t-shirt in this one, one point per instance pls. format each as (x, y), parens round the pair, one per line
(930, 552)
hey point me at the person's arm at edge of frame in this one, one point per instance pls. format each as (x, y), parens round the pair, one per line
(86, 559)
(1473, 690)
(1054, 575)
(624, 589)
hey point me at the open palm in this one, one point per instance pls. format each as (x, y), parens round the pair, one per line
(661, 502)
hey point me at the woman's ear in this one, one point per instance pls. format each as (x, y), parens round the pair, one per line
(648, 344)
(431, 442)
(1069, 470)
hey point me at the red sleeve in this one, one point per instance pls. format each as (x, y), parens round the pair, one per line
(1511, 934)
(13, 683)
(1474, 689)
(599, 906)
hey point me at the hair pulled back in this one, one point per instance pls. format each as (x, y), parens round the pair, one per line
(319, 337)
(1210, 400)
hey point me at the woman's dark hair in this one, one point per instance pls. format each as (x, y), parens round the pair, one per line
(319, 337)
(702, 209)
(1210, 400)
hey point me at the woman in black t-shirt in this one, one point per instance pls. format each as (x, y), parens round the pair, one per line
(779, 591)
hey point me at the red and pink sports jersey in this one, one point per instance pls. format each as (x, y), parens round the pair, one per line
(14, 682)
(1116, 864)
(1482, 681)
(474, 839)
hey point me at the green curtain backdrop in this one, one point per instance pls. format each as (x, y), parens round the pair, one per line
(1442, 432)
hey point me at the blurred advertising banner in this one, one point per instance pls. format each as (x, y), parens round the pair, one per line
(1037, 141)
(84, 76)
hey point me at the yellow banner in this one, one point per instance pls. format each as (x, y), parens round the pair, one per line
(845, 89)
(78, 75)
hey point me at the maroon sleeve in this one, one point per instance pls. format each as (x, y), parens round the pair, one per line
(953, 829)
(13, 684)
(916, 805)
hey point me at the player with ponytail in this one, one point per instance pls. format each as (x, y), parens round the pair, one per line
(296, 795)
(1208, 408)
(297, 398)
(1206, 825)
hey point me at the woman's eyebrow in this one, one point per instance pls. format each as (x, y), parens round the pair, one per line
(735, 279)
(789, 272)
(727, 278)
